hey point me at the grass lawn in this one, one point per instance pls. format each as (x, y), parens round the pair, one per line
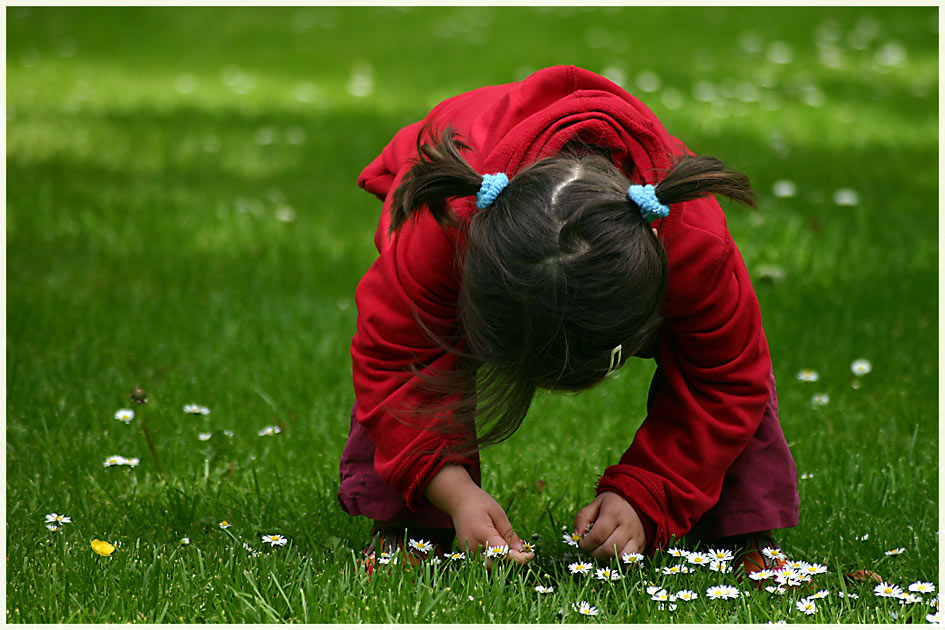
(182, 216)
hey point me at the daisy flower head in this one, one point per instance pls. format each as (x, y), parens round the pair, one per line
(807, 606)
(497, 551)
(544, 589)
(807, 475)
(730, 592)
(275, 540)
(715, 592)
(114, 460)
(934, 618)
(797, 565)
(896, 552)
(455, 555)
(676, 569)
(660, 596)
(572, 539)
(584, 608)
(819, 400)
(271, 430)
(814, 569)
(861, 367)
(185, 541)
(776, 590)
(887, 590)
(677, 552)
(125, 415)
(58, 518)
(723, 555)
(820, 595)
(223, 524)
(910, 598)
(579, 567)
(203, 437)
(197, 410)
(922, 587)
(608, 574)
(934, 602)
(132, 461)
(764, 574)
(436, 560)
(385, 557)
(687, 596)
(528, 547)
(52, 527)
(422, 546)
(631, 558)
(773, 554)
(698, 558)
(808, 376)
(720, 566)
(653, 589)
(790, 576)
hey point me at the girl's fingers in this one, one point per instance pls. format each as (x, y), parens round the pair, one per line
(586, 516)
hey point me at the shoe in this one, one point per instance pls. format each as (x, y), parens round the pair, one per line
(392, 546)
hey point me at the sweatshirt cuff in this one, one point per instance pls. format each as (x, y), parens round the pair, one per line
(643, 497)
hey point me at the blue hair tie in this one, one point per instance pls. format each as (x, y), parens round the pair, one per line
(491, 186)
(650, 206)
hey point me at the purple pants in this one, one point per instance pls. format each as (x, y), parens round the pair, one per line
(759, 491)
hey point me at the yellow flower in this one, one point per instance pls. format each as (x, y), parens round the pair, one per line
(102, 547)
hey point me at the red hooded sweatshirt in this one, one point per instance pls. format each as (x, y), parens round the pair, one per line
(712, 350)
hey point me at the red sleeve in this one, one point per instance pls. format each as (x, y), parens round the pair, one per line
(715, 360)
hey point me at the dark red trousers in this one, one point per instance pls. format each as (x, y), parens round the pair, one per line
(759, 491)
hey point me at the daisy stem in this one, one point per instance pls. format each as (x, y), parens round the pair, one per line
(147, 436)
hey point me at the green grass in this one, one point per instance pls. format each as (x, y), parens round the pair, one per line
(150, 154)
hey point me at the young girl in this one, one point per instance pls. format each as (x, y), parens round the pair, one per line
(538, 234)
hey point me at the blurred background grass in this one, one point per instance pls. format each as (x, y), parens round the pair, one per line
(182, 215)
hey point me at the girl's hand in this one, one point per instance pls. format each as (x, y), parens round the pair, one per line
(479, 520)
(615, 528)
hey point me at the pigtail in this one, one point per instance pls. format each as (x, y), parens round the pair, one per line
(695, 176)
(440, 173)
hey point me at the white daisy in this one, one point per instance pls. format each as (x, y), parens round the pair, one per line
(687, 596)
(608, 574)
(528, 547)
(934, 618)
(114, 460)
(496, 551)
(273, 430)
(579, 567)
(196, 409)
(787, 575)
(820, 595)
(896, 552)
(386, 557)
(676, 569)
(584, 608)
(853, 596)
(861, 367)
(887, 590)
(808, 376)
(820, 399)
(653, 589)
(185, 541)
(58, 518)
(698, 558)
(915, 587)
(456, 555)
(631, 558)
(910, 598)
(422, 546)
(722, 555)
(720, 566)
(223, 524)
(676, 552)
(132, 461)
(572, 539)
(544, 589)
(52, 527)
(125, 415)
(715, 592)
(730, 592)
(807, 606)
(436, 560)
(814, 569)
(203, 437)
(776, 590)
(773, 554)
(797, 565)
(764, 574)
(660, 596)
(807, 475)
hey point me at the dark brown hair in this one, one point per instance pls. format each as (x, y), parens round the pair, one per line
(559, 270)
